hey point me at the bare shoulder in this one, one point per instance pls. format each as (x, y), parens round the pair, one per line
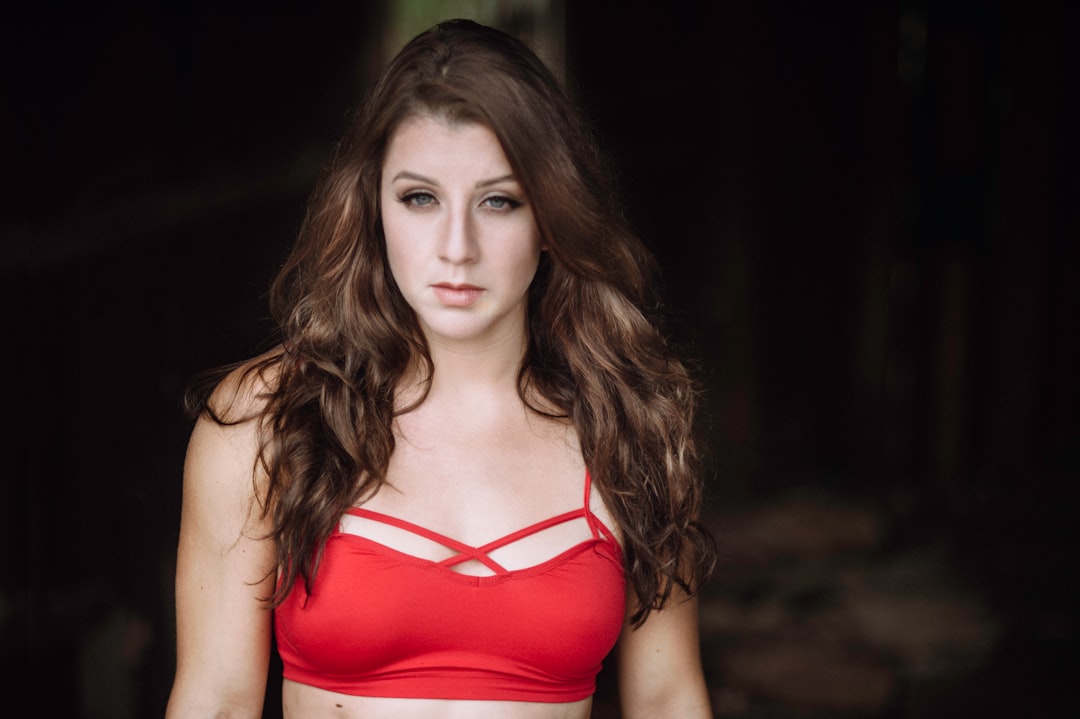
(242, 394)
(222, 474)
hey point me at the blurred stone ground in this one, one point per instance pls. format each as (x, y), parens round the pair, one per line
(814, 610)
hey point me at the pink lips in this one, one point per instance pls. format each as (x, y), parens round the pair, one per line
(456, 295)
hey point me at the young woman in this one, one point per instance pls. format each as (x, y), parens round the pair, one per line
(468, 471)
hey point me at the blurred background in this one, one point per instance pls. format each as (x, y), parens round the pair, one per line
(866, 215)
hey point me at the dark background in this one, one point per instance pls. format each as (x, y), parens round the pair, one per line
(866, 215)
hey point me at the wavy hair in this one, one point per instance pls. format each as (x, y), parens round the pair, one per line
(596, 353)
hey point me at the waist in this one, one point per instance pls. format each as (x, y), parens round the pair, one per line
(301, 701)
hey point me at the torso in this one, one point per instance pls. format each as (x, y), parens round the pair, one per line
(473, 476)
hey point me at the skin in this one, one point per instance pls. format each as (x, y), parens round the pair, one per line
(472, 462)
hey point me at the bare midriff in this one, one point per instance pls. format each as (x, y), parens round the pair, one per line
(301, 701)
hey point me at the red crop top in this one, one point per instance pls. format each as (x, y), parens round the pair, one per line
(383, 623)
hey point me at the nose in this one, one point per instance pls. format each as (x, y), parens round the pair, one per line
(458, 243)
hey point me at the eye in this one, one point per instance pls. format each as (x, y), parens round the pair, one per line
(501, 202)
(417, 199)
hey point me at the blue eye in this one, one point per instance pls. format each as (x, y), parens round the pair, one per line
(499, 202)
(418, 199)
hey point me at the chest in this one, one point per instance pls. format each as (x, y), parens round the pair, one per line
(475, 478)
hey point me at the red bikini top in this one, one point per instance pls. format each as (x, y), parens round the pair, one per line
(383, 623)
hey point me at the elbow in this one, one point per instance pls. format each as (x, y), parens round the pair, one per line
(680, 708)
(183, 705)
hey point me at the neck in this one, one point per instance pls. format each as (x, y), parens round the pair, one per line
(466, 373)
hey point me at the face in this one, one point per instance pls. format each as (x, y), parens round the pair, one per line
(460, 236)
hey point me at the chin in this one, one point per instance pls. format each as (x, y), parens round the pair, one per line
(465, 329)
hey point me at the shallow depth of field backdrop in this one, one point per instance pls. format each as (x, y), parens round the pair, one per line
(866, 216)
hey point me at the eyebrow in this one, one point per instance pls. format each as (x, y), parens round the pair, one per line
(406, 175)
(495, 181)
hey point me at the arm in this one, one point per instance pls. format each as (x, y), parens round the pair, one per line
(222, 571)
(660, 673)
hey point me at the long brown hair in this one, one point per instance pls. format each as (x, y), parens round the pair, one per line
(596, 353)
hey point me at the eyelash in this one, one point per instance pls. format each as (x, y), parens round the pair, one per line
(409, 199)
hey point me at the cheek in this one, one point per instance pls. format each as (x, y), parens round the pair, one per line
(521, 256)
(523, 266)
(401, 269)
(531, 257)
(397, 256)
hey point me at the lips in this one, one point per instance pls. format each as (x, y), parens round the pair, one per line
(452, 295)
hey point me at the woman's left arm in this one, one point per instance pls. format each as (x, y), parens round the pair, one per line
(660, 672)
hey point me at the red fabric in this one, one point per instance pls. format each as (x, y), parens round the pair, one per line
(383, 623)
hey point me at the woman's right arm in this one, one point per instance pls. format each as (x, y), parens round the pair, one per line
(223, 571)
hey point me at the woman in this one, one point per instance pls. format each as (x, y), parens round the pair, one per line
(468, 469)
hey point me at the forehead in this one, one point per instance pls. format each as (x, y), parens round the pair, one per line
(434, 143)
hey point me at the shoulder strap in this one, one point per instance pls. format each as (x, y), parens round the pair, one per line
(588, 512)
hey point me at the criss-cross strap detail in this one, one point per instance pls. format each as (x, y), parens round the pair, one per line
(482, 553)
(466, 552)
